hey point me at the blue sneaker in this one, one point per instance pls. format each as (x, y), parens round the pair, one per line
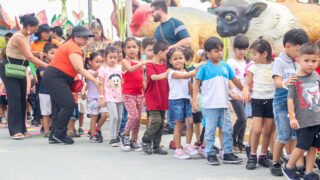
(311, 176)
(290, 173)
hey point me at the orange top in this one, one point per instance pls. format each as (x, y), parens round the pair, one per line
(38, 46)
(61, 59)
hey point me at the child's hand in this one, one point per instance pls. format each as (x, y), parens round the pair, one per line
(84, 96)
(102, 103)
(145, 62)
(27, 93)
(294, 123)
(41, 55)
(195, 106)
(97, 83)
(200, 64)
(36, 79)
(291, 80)
(246, 97)
(235, 96)
(144, 102)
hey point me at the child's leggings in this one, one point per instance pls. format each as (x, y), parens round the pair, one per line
(133, 104)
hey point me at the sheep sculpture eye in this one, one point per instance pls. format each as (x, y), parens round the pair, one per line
(228, 17)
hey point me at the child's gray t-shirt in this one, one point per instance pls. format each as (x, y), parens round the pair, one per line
(306, 95)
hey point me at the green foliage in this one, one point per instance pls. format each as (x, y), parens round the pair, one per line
(121, 4)
(225, 49)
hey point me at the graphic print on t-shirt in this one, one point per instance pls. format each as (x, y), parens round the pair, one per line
(266, 75)
(309, 95)
(115, 81)
(237, 71)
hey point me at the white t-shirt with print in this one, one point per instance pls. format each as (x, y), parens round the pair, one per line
(263, 83)
(238, 67)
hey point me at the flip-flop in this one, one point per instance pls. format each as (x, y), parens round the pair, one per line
(27, 135)
(46, 134)
(18, 136)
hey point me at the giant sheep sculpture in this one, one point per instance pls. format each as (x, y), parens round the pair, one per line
(267, 19)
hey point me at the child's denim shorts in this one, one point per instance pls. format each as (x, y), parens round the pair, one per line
(282, 121)
(75, 115)
(180, 109)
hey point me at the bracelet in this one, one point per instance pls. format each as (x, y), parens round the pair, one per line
(291, 115)
(284, 86)
(101, 96)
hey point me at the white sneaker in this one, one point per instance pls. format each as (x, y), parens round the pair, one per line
(180, 154)
(191, 150)
(202, 151)
(3, 120)
(221, 153)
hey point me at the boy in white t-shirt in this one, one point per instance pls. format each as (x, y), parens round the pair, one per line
(214, 77)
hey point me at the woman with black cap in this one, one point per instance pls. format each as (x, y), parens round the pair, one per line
(58, 78)
(18, 52)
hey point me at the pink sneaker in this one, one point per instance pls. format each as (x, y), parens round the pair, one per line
(190, 150)
(180, 154)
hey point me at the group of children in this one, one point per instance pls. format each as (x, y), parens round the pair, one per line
(284, 96)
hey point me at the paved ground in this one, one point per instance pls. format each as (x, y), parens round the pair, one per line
(34, 158)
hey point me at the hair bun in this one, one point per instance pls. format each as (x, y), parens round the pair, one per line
(98, 20)
(25, 17)
(29, 19)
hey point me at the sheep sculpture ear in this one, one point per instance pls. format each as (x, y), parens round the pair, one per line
(255, 9)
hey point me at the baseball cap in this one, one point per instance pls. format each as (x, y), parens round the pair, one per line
(81, 31)
(42, 28)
